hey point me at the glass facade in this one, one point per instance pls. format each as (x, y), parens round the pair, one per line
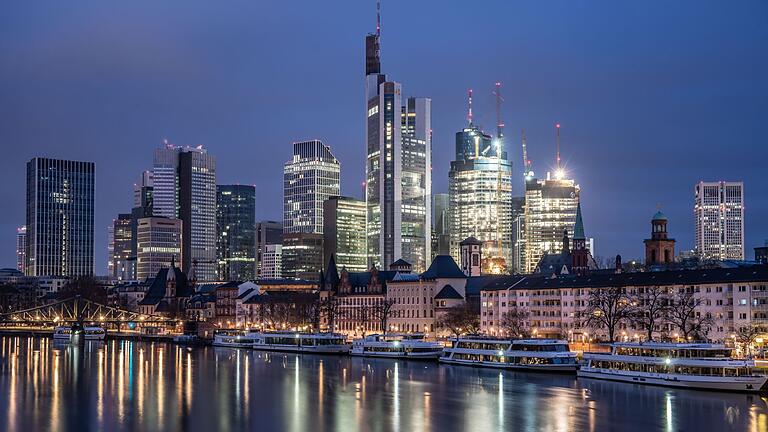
(159, 241)
(268, 233)
(719, 211)
(235, 228)
(310, 177)
(344, 233)
(121, 262)
(60, 202)
(302, 255)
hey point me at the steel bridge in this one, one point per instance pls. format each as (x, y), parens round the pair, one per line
(77, 310)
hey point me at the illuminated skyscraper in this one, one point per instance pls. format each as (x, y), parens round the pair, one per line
(121, 258)
(441, 224)
(235, 230)
(310, 177)
(21, 248)
(159, 241)
(267, 233)
(719, 212)
(344, 233)
(398, 168)
(59, 217)
(480, 182)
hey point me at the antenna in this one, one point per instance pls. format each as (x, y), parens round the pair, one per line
(526, 163)
(469, 111)
(499, 123)
(557, 127)
(378, 18)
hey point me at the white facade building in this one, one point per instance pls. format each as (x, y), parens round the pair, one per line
(271, 262)
(719, 213)
(310, 177)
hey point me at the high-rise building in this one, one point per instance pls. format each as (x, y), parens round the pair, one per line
(60, 202)
(302, 255)
(267, 233)
(159, 241)
(143, 192)
(310, 178)
(271, 262)
(122, 263)
(184, 187)
(441, 225)
(719, 213)
(235, 228)
(398, 168)
(21, 248)
(518, 235)
(344, 233)
(480, 182)
(550, 210)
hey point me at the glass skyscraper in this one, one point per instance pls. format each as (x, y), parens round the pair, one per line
(122, 261)
(60, 202)
(235, 228)
(719, 211)
(344, 233)
(310, 177)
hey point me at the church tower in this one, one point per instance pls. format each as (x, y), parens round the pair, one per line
(659, 249)
(579, 254)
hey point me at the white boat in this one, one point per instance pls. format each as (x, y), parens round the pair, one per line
(410, 345)
(89, 333)
(233, 338)
(690, 365)
(286, 341)
(531, 354)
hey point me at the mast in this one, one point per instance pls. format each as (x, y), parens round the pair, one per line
(499, 122)
(526, 162)
(557, 127)
(469, 107)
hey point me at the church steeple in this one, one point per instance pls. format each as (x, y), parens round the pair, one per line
(578, 230)
(580, 254)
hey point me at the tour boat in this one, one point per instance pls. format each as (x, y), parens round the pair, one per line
(89, 333)
(233, 338)
(410, 345)
(530, 354)
(687, 365)
(287, 341)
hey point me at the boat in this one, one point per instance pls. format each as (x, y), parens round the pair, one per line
(550, 355)
(88, 332)
(233, 338)
(188, 340)
(687, 365)
(397, 345)
(297, 342)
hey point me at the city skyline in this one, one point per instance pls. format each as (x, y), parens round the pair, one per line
(619, 196)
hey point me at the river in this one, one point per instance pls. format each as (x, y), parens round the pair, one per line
(125, 385)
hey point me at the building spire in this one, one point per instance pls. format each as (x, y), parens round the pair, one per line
(499, 123)
(557, 127)
(526, 162)
(378, 18)
(469, 108)
(578, 229)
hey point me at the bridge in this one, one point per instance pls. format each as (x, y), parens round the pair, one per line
(77, 310)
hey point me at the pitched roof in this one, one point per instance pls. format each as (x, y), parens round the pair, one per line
(553, 263)
(470, 241)
(578, 229)
(156, 291)
(400, 263)
(443, 266)
(448, 293)
(659, 216)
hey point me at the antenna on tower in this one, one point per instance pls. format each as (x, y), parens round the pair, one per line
(469, 110)
(378, 18)
(557, 127)
(526, 162)
(499, 123)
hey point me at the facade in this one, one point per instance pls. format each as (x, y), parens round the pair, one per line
(272, 262)
(168, 293)
(518, 235)
(59, 221)
(121, 256)
(761, 254)
(398, 168)
(159, 241)
(719, 214)
(344, 233)
(659, 249)
(310, 177)
(441, 225)
(235, 230)
(480, 182)
(302, 255)
(550, 210)
(267, 233)
(21, 248)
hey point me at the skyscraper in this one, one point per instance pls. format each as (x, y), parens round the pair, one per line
(310, 177)
(235, 228)
(21, 248)
(719, 213)
(271, 263)
(184, 180)
(302, 255)
(344, 233)
(122, 263)
(143, 197)
(60, 195)
(267, 233)
(518, 235)
(481, 197)
(159, 241)
(441, 224)
(398, 168)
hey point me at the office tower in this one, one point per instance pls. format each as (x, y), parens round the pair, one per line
(59, 217)
(143, 194)
(159, 241)
(235, 228)
(267, 233)
(441, 225)
(344, 233)
(398, 168)
(518, 235)
(271, 264)
(21, 248)
(550, 210)
(719, 213)
(480, 182)
(121, 264)
(184, 187)
(310, 177)
(302, 255)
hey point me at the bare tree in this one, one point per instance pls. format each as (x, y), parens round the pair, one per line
(607, 308)
(682, 314)
(460, 319)
(515, 322)
(330, 309)
(746, 337)
(86, 287)
(382, 311)
(651, 308)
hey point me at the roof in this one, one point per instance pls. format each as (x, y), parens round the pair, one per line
(659, 216)
(400, 263)
(402, 277)
(443, 266)
(448, 293)
(245, 293)
(553, 263)
(470, 241)
(578, 229)
(156, 291)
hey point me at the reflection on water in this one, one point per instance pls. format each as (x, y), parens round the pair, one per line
(124, 385)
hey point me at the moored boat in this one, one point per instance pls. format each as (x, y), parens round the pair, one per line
(233, 338)
(410, 345)
(687, 365)
(530, 354)
(286, 341)
(88, 333)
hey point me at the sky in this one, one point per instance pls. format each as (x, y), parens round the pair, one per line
(652, 96)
